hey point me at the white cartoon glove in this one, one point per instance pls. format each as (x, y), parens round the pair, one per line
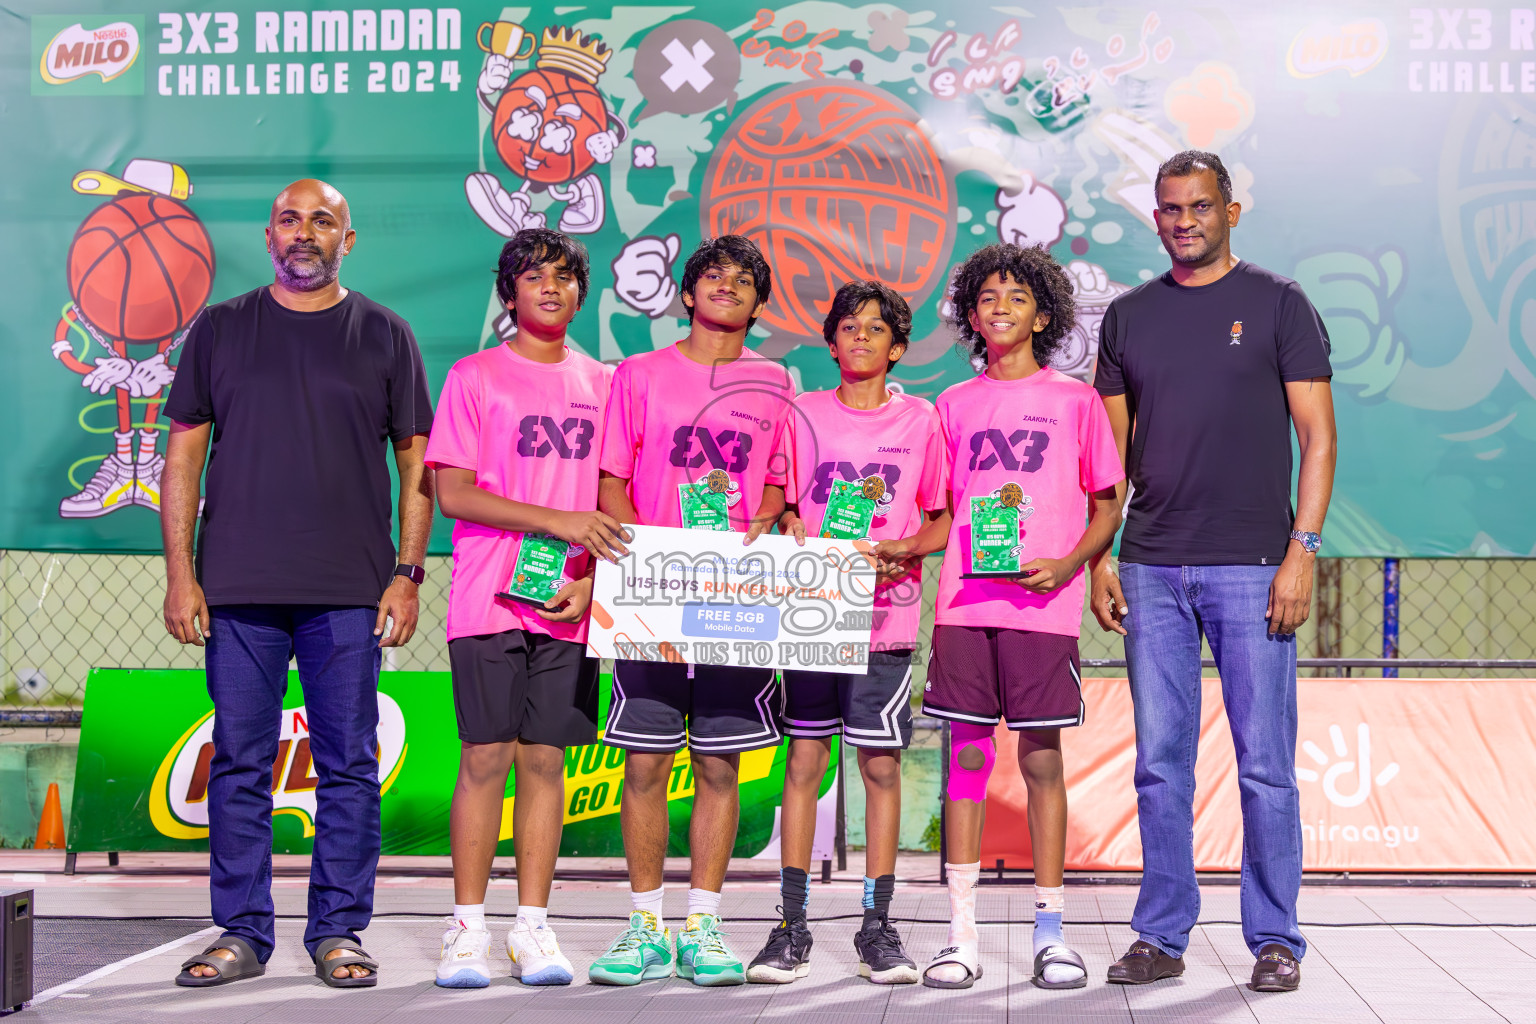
(149, 376)
(557, 137)
(110, 373)
(493, 77)
(1034, 215)
(642, 274)
(602, 145)
(524, 124)
(1087, 278)
(62, 346)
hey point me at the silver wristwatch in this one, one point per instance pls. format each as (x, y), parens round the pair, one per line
(1310, 541)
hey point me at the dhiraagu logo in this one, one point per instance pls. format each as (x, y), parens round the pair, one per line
(79, 55)
(1348, 779)
(1353, 773)
(178, 800)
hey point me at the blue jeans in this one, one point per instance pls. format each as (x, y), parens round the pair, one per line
(249, 647)
(1170, 606)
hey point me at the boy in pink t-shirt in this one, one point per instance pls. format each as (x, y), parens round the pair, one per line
(1027, 447)
(515, 451)
(694, 438)
(869, 464)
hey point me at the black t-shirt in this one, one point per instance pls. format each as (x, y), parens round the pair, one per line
(304, 407)
(1204, 372)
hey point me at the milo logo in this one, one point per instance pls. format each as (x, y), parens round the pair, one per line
(179, 794)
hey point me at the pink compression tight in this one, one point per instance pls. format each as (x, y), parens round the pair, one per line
(970, 783)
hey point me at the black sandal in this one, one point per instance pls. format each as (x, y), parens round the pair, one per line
(358, 958)
(1058, 954)
(244, 965)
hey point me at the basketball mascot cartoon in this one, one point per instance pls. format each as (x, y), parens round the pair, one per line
(551, 128)
(140, 269)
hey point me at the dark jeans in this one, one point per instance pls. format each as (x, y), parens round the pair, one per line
(338, 656)
(1171, 606)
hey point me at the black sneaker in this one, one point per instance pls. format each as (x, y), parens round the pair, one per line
(881, 958)
(786, 956)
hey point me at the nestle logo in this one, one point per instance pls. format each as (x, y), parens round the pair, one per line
(584, 405)
(893, 451)
(75, 52)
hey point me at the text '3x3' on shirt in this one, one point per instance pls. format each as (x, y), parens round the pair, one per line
(530, 432)
(304, 408)
(1041, 444)
(672, 421)
(1204, 371)
(895, 458)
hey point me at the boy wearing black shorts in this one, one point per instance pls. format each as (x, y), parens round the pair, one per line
(868, 465)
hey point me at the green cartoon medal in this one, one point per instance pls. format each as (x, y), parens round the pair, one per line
(851, 507)
(997, 542)
(539, 572)
(706, 504)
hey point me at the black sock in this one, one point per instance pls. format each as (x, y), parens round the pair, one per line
(795, 892)
(885, 887)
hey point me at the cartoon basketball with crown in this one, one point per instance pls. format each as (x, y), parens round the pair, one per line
(140, 269)
(550, 126)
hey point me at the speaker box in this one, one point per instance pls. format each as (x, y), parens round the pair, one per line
(15, 947)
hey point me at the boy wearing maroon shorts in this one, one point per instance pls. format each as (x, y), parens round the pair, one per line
(1027, 447)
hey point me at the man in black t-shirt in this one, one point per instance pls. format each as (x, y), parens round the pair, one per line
(1203, 371)
(301, 387)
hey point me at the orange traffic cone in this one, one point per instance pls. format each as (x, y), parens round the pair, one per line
(50, 828)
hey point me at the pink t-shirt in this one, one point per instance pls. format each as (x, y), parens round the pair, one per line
(672, 421)
(532, 432)
(1047, 434)
(899, 443)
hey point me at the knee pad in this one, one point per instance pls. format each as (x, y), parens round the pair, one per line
(970, 783)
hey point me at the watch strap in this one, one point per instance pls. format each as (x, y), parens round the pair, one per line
(415, 573)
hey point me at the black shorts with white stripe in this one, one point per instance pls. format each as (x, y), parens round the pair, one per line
(873, 709)
(661, 706)
(980, 674)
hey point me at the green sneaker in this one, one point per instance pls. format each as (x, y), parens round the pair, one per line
(641, 952)
(701, 954)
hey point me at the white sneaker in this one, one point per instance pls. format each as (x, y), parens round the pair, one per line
(463, 963)
(536, 956)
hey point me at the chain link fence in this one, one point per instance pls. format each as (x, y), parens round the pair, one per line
(63, 614)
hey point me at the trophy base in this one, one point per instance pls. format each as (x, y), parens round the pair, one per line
(524, 599)
(998, 575)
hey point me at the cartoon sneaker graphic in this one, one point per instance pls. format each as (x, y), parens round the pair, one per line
(111, 488)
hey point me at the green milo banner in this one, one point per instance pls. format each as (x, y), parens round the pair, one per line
(1381, 153)
(146, 745)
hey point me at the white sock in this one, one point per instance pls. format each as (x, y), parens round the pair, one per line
(702, 901)
(470, 915)
(650, 902)
(536, 917)
(1050, 904)
(962, 879)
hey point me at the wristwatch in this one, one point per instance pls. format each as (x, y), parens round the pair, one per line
(1310, 541)
(416, 573)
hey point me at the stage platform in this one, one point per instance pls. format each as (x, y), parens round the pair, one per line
(109, 942)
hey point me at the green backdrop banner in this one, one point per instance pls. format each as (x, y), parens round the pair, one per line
(141, 782)
(1382, 154)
